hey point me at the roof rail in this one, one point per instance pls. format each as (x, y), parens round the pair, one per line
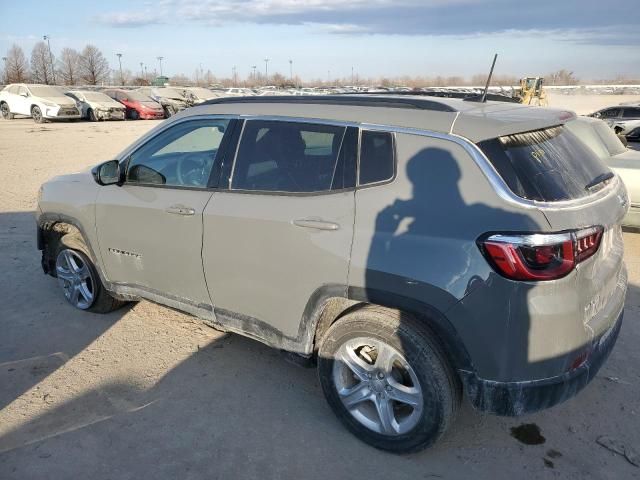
(444, 93)
(357, 100)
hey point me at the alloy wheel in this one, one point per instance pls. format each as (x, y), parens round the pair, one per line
(377, 386)
(75, 278)
(36, 114)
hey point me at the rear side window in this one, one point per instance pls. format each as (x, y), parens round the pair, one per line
(545, 165)
(376, 157)
(288, 157)
(631, 113)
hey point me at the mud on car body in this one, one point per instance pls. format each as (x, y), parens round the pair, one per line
(97, 106)
(415, 248)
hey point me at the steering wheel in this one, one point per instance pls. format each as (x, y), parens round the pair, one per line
(191, 169)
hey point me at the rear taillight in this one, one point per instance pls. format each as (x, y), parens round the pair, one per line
(540, 256)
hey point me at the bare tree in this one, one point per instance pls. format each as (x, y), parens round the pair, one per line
(41, 71)
(17, 69)
(93, 67)
(562, 77)
(68, 66)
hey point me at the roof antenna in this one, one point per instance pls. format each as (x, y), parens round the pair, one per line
(486, 87)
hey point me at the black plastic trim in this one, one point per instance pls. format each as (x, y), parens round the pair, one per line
(518, 398)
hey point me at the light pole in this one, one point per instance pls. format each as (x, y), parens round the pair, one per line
(6, 72)
(235, 76)
(160, 60)
(328, 77)
(119, 55)
(53, 72)
(352, 76)
(291, 70)
(141, 70)
(254, 72)
(266, 71)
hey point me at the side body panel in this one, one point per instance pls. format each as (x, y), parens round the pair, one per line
(416, 238)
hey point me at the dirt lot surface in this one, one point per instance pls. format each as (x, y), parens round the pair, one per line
(146, 392)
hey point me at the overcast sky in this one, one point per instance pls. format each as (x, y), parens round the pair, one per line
(594, 38)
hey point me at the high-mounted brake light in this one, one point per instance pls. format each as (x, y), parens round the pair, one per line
(540, 256)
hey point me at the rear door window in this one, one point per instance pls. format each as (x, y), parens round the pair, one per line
(631, 113)
(376, 157)
(545, 165)
(292, 157)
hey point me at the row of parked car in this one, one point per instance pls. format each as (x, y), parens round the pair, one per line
(47, 102)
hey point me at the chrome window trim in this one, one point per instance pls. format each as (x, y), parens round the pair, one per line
(488, 170)
(533, 240)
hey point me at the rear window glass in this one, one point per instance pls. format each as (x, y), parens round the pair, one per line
(545, 165)
(376, 157)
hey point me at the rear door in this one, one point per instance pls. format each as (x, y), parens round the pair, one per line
(150, 228)
(283, 227)
(630, 118)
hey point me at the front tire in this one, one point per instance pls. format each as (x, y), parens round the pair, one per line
(79, 279)
(36, 114)
(386, 378)
(168, 111)
(92, 115)
(134, 115)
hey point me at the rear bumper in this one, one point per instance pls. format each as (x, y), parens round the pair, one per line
(518, 398)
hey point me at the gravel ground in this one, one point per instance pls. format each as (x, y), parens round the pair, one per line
(146, 392)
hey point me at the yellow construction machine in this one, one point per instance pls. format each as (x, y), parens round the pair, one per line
(531, 92)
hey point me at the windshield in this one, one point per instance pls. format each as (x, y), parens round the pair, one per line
(137, 96)
(170, 93)
(97, 97)
(202, 93)
(610, 139)
(545, 165)
(45, 91)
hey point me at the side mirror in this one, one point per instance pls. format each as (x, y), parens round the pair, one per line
(107, 173)
(24, 94)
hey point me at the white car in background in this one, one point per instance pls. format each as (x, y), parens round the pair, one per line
(96, 106)
(623, 119)
(597, 135)
(40, 102)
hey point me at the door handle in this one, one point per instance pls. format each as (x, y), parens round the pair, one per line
(180, 210)
(315, 223)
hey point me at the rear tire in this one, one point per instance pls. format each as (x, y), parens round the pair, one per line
(6, 113)
(134, 115)
(419, 394)
(73, 262)
(92, 115)
(36, 114)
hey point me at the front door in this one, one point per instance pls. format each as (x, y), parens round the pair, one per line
(22, 102)
(284, 227)
(150, 228)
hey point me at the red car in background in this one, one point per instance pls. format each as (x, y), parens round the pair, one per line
(138, 105)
